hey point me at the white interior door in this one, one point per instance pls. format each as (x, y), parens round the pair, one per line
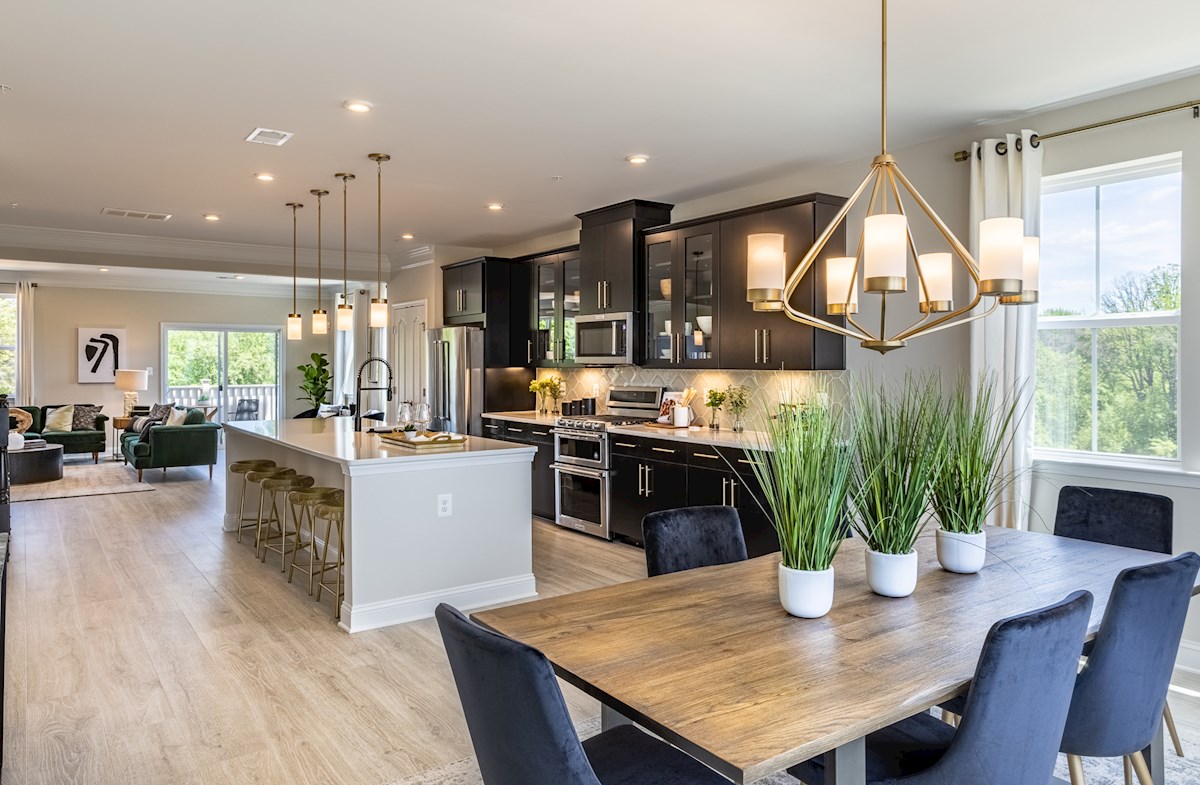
(408, 345)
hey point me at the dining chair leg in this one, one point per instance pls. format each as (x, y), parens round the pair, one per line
(1171, 729)
(1141, 769)
(1075, 767)
(1128, 770)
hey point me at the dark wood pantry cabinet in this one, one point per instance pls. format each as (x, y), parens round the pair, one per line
(492, 293)
(610, 252)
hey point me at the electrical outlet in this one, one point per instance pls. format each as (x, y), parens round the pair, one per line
(444, 505)
(596, 390)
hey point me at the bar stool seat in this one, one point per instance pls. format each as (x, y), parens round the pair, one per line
(333, 513)
(243, 468)
(276, 521)
(257, 478)
(306, 502)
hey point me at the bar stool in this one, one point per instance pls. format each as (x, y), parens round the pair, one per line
(333, 512)
(257, 478)
(243, 468)
(306, 502)
(276, 486)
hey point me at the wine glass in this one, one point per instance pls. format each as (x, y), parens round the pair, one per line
(405, 414)
(423, 415)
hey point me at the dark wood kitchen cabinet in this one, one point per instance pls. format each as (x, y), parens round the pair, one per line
(541, 437)
(610, 254)
(682, 288)
(749, 339)
(639, 487)
(714, 479)
(491, 293)
(554, 305)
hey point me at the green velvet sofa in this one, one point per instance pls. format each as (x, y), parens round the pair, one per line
(93, 441)
(192, 444)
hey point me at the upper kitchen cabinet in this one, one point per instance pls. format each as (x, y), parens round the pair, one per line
(748, 339)
(494, 294)
(554, 307)
(682, 287)
(610, 249)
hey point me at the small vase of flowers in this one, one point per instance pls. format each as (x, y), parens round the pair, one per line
(738, 397)
(714, 401)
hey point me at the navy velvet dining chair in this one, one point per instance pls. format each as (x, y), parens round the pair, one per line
(1013, 717)
(1119, 695)
(522, 732)
(1129, 519)
(691, 537)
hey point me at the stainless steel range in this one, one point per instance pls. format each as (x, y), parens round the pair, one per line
(582, 461)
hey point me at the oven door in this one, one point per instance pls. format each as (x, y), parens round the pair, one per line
(581, 448)
(604, 339)
(581, 499)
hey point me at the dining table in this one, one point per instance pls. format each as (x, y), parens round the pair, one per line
(708, 660)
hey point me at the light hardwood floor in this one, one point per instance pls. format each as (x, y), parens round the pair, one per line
(146, 647)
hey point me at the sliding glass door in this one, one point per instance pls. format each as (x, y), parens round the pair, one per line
(234, 369)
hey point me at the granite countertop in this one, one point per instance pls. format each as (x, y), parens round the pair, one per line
(695, 435)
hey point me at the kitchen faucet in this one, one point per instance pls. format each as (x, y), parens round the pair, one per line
(359, 389)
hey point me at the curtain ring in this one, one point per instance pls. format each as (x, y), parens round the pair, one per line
(1020, 144)
(979, 153)
(1035, 141)
(1001, 148)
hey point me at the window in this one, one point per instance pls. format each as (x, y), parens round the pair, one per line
(8, 345)
(1108, 318)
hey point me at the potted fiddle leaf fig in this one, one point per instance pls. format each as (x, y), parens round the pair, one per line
(899, 443)
(979, 425)
(805, 477)
(316, 380)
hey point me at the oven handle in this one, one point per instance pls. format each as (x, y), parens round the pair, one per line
(568, 469)
(583, 436)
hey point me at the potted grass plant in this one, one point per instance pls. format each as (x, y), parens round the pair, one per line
(805, 478)
(899, 444)
(979, 425)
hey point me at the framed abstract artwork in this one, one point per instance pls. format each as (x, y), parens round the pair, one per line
(101, 350)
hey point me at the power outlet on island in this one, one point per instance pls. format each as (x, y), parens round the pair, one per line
(444, 505)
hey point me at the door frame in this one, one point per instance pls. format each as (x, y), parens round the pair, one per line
(281, 359)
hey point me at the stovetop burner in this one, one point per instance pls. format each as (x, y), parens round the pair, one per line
(599, 422)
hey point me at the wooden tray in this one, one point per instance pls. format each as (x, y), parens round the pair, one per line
(666, 426)
(442, 441)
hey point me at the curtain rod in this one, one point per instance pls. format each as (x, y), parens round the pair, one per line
(1002, 147)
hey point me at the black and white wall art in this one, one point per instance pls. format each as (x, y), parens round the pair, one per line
(101, 350)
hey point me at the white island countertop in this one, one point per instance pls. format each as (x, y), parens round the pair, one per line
(334, 439)
(723, 437)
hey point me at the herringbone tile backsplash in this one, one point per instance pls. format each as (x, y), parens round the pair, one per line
(767, 388)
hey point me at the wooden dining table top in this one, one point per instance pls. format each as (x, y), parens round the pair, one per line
(709, 660)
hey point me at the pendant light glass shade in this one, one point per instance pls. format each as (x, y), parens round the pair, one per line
(345, 318)
(1001, 255)
(345, 312)
(295, 327)
(840, 297)
(885, 253)
(937, 271)
(379, 310)
(766, 269)
(295, 323)
(379, 314)
(320, 322)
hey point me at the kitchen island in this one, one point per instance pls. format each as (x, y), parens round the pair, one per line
(402, 558)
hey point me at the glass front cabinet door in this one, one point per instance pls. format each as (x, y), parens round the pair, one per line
(555, 307)
(681, 297)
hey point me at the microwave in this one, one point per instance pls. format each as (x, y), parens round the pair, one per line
(604, 339)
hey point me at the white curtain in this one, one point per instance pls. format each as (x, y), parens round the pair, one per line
(25, 352)
(1004, 344)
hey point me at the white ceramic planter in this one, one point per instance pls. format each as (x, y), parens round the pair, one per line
(892, 575)
(963, 553)
(806, 593)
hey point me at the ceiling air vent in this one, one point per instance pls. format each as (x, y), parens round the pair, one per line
(143, 215)
(267, 136)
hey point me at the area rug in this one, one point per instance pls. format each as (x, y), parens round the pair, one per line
(1096, 771)
(83, 479)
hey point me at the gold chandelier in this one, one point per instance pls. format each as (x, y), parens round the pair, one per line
(1007, 269)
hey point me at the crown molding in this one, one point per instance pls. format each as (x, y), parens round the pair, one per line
(165, 248)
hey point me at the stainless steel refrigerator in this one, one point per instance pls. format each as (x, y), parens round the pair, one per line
(456, 379)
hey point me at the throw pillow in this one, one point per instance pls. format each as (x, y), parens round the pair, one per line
(84, 418)
(176, 417)
(60, 419)
(159, 411)
(144, 435)
(139, 423)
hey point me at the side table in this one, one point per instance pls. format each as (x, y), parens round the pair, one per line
(119, 425)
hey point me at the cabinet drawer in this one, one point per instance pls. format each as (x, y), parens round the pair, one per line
(627, 445)
(705, 456)
(739, 459)
(493, 429)
(539, 434)
(664, 450)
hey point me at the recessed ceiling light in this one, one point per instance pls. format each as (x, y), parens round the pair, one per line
(406, 237)
(211, 217)
(5, 89)
(266, 177)
(495, 206)
(355, 105)
(103, 269)
(637, 159)
(238, 277)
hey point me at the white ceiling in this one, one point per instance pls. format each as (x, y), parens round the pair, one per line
(144, 105)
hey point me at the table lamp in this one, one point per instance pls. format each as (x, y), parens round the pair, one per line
(131, 382)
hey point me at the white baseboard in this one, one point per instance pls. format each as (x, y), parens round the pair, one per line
(421, 606)
(1188, 659)
(230, 522)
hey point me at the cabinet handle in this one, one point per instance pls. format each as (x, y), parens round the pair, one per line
(514, 430)
(624, 444)
(529, 351)
(732, 492)
(492, 427)
(649, 478)
(723, 502)
(766, 346)
(599, 295)
(641, 482)
(607, 296)
(756, 355)
(614, 339)
(663, 449)
(707, 455)
(540, 433)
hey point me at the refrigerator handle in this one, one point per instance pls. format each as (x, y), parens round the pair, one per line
(446, 378)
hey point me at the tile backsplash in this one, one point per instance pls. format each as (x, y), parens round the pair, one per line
(767, 388)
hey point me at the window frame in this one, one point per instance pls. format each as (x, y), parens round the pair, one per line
(14, 348)
(1094, 178)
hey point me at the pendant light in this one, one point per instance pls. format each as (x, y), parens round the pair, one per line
(295, 323)
(1006, 271)
(320, 319)
(345, 311)
(379, 314)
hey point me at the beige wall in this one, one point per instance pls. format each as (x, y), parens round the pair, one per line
(61, 311)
